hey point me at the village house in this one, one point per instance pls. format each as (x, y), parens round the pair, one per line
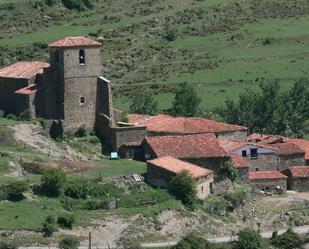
(242, 166)
(161, 170)
(165, 125)
(298, 178)
(199, 149)
(302, 144)
(268, 180)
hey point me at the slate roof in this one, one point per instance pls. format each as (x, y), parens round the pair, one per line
(176, 166)
(32, 88)
(303, 144)
(23, 69)
(186, 146)
(77, 41)
(299, 171)
(261, 175)
(182, 125)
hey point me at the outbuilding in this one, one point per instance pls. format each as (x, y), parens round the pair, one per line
(298, 178)
(268, 180)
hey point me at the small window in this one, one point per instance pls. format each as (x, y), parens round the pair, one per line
(253, 153)
(244, 153)
(202, 189)
(82, 59)
(82, 100)
(257, 169)
(211, 188)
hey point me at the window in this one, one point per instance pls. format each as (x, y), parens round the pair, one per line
(82, 100)
(257, 169)
(202, 189)
(254, 153)
(82, 59)
(211, 188)
(244, 153)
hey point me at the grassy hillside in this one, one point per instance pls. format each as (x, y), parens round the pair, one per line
(219, 46)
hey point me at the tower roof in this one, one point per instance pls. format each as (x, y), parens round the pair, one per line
(77, 41)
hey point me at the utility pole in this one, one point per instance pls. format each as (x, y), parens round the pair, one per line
(89, 240)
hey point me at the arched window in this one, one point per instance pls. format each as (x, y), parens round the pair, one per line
(82, 59)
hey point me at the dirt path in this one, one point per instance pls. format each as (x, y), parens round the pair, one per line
(33, 136)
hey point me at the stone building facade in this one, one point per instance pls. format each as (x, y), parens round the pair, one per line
(298, 178)
(268, 180)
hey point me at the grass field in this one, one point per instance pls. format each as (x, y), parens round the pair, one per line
(221, 47)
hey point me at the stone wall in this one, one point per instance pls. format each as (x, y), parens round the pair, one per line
(270, 183)
(243, 174)
(287, 161)
(233, 135)
(104, 98)
(212, 163)
(298, 184)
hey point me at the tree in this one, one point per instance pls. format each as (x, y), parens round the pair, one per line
(69, 243)
(231, 171)
(66, 221)
(15, 190)
(287, 240)
(249, 239)
(183, 187)
(52, 181)
(49, 226)
(144, 104)
(192, 241)
(186, 101)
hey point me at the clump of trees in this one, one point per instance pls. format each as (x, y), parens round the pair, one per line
(53, 181)
(144, 104)
(287, 240)
(249, 239)
(183, 187)
(186, 101)
(271, 110)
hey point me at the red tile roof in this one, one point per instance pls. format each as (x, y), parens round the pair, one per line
(78, 41)
(186, 146)
(303, 144)
(299, 171)
(260, 175)
(265, 138)
(137, 118)
(287, 149)
(27, 90)
(231, 146)
(23, 69)
(239, 161)
(176, 166)
(182, 125)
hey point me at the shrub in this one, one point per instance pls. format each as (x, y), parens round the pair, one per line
(287, 240)
(94, 140)
(192, 241)
(52, 181)
(66, 221)
(183, 187)
(170, 35)
(69, 243)
(124, 117)
(1, 113)
(81, 132)
(11, 117)
(73, 4)
(15, 190)
(231, 171)
(216, 204)
(249, 239)
(49, 226)
(77, 191)
(144, 104)
(25, 115)
(8, 245)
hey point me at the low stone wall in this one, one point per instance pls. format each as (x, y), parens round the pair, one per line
(298, 184)
(269, 183)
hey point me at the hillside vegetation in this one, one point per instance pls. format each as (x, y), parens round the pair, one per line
(219, 46)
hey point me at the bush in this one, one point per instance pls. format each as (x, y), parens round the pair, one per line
(52, 181)
(231, 171)
(66, 221)
(49, 226)
(15, 190)
(69, 243)
(94, 140)
(124, 117)
(249, 239)
(11, 117)
(1, 113)
(183, 187)
(25, 115)
(170, 35)
(192, 241)
(73, 4)
(144, 104)
(216, 205)
(81, 132)
(8, 245)
(77, 191)
(287, 240)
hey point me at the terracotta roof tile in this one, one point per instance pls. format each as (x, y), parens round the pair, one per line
(137, 118)
(183, 125)
(176, 166)
(239, 161)
(27, 90)
(186, 146)
(23, 69)
(303, 144)
(265, 138)
(78, 41)
(299, 171)
(231, 146)
(260, 175)
(287, 149)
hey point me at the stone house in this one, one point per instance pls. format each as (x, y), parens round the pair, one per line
(265, 157)
(242, 166)
(298, 178)
(268, 180)
(165, 125)
(161, 170)
(199, 149)
(302, 144)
